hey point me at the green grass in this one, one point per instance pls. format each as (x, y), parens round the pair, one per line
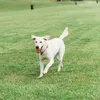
(19, 65)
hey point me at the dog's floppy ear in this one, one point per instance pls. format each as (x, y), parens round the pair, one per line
(33, 37)
(46, 37)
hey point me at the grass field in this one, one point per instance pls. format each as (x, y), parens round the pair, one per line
(19, 65)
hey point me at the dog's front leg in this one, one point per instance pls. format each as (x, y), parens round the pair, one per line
(41, 68)
(48, 66)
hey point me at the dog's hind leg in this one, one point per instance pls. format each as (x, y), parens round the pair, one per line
(60, 64)
(60, 58)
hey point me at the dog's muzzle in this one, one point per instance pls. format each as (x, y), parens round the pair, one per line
(38, 49)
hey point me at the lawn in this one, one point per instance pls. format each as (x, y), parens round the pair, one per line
(19, 65)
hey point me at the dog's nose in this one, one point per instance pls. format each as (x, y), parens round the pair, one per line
(37, 47)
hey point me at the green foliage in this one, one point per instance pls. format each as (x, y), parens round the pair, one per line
(19, 65)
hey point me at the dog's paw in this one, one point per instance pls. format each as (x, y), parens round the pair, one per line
(59, 69)
(40, 76)
(45, 71)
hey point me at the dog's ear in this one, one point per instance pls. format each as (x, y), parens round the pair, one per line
(46, 37)
(33, 37)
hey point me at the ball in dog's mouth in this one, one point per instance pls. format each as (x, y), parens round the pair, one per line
(38, 50)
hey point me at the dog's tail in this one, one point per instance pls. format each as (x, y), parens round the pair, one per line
(64, 34)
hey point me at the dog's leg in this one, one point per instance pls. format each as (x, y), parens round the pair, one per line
(41, 68)
(48, 66)
(60, 58)
(60, 65)
(60, 62)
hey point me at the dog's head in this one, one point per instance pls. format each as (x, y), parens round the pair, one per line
(39, 41)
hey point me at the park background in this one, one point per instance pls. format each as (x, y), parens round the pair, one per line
(19, 65)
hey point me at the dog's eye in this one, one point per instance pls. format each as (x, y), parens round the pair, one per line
(35, 41)
(40, 41)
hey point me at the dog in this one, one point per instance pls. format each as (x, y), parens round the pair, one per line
(48, 49)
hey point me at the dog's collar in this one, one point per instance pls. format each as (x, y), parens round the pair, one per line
(43, 51)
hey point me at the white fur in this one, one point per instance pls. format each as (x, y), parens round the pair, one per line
(50, 49)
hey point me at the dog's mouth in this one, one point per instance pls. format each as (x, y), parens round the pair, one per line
(38, 50)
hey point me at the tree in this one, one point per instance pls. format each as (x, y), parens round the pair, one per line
(59, 0)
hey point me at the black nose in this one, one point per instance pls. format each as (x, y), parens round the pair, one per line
(37, 47)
